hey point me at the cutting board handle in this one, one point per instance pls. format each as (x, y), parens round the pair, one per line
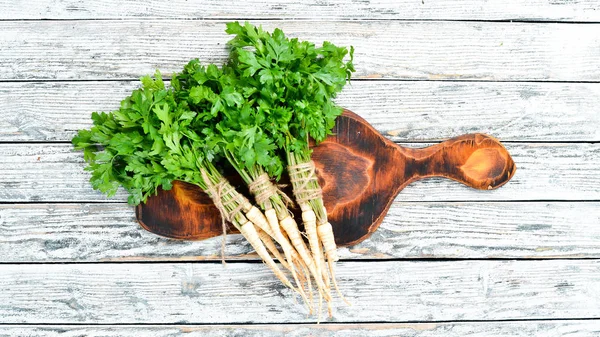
(476, 160)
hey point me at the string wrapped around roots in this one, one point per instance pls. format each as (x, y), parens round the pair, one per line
(319, 231)
(231, 205)
(271, 199)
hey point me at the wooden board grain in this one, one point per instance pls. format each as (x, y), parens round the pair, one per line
(189, 293)
(553, 328)
(402, 111)
(533, 10)
(545, 172)
(127, 49)
(471, 230)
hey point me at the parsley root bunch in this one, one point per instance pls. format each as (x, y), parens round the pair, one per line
(256, 113)
(292, 84)
(153, 139)
(236, 132)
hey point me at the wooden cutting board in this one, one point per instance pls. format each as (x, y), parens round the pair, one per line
(360, 171)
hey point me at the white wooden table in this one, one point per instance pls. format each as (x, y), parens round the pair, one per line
(523, 260)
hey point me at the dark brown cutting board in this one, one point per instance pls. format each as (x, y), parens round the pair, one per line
(360, 172)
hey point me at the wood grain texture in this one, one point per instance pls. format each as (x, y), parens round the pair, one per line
(247, 292)
(78, 50)
(535, 10)
(54, 172)
(575, 328)
(402, 111)
(109, 232)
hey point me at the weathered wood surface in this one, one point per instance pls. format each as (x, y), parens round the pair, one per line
(402, 111)
(535, 10)
(247, 292)
(97, 49)
(54, 172)
(109, 232)
(395, 40)
(574, 328)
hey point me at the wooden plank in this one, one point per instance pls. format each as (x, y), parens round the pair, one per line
(77, 50)
(188, 293)
(109, 232)
(54, 172)
(403, 111)
(575, 328)
(583, 10)
(485, 230)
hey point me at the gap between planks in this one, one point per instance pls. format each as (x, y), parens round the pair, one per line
(309, 19)
(359, 79)
(326, 324)
(525, 328)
